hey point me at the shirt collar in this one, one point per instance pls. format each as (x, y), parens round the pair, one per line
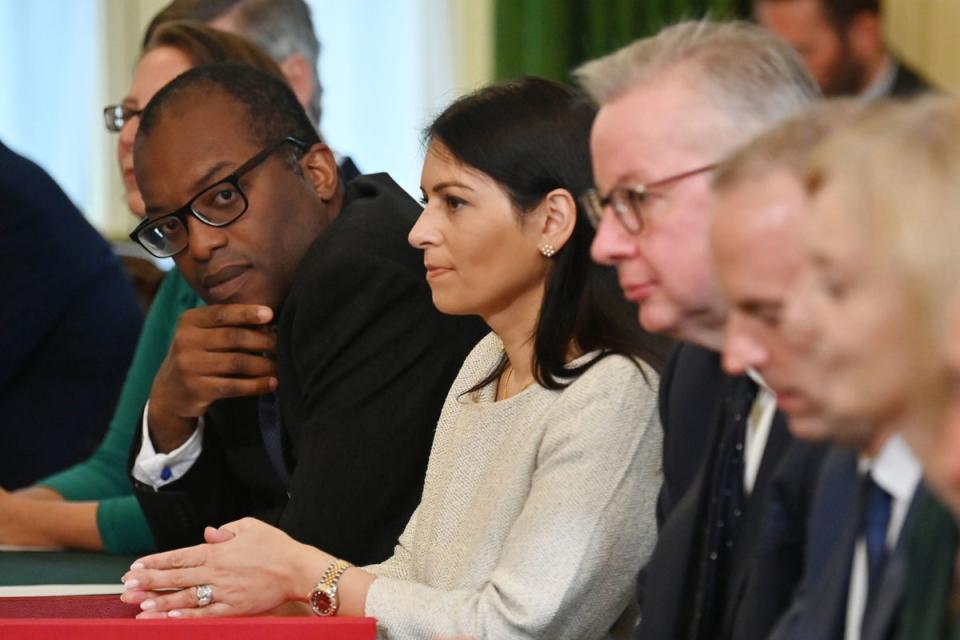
(896, 468)
(882, 83)
(754, 375)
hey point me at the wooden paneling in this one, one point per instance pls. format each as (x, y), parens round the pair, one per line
(927, 34)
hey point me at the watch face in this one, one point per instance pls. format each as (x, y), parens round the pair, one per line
(321, 603)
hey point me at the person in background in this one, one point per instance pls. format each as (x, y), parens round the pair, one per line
(842, 45)
(70, 323)
(671, 107)
(538, 507)
(282, 28)
(91, 505)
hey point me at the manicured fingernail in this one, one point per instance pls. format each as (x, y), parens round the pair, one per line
(174, 614)
(264, 313)
(136, 566)
(146, 605)
(131, 584)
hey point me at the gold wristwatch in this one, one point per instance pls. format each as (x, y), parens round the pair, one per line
(323, 598)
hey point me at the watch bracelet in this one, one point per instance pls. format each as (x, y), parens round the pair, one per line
(330, 580)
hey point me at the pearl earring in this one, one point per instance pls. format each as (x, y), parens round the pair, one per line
(547, 250)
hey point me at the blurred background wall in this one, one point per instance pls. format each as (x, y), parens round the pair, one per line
(387, 67)
(927, 34)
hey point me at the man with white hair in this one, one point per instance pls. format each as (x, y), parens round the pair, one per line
(671, 107)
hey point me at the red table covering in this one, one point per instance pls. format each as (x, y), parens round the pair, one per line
(106, 618)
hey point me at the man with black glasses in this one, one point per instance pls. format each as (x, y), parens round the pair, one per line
(320, 351)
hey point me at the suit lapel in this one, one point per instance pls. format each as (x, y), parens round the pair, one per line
(667, 604)
(827, 607)
(748, 537)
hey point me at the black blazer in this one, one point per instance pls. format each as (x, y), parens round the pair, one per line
(364, 363)
(778, 561)
(667, 598)
(907, 82)
(819, 608)
(690, 400)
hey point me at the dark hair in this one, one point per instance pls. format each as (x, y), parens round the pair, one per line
(280, 27)
(531, 136)
(206, 45)
(840, 13)
(273, 111)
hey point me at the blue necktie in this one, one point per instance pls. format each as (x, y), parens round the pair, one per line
(876, 520)
(272, 433)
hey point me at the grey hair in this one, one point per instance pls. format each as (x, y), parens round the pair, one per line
(280, 27)
(283, 28)
(749, 74)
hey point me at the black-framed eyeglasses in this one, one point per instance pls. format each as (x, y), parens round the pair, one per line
(117, 115)
(628, 202)
(217, 205)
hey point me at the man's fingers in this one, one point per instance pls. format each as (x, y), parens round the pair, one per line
(229, 315)
(239, 387)
(249, 339)
(229, 365)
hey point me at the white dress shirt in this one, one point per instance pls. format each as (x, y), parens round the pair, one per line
(758, 430)
(882, 83)
(157, 469)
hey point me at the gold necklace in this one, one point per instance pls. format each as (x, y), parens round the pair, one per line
(504, 386)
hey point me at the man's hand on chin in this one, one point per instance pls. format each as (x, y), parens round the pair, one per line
(219, 351)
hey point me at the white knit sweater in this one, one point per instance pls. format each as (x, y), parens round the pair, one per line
(537, 511)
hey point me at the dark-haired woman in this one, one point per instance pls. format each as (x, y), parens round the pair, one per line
(538, 506)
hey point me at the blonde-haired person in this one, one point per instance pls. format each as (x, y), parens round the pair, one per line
(91, 505)
(882, 266)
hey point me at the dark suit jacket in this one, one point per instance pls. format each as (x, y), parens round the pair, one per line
(348, 169)
(926, 613)
(778, 561)
(670, 581)
(668, 603)
(753, 526)
(364, 364)
(690, 400)
(907, 82)
(819, 609)
(69, 321)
